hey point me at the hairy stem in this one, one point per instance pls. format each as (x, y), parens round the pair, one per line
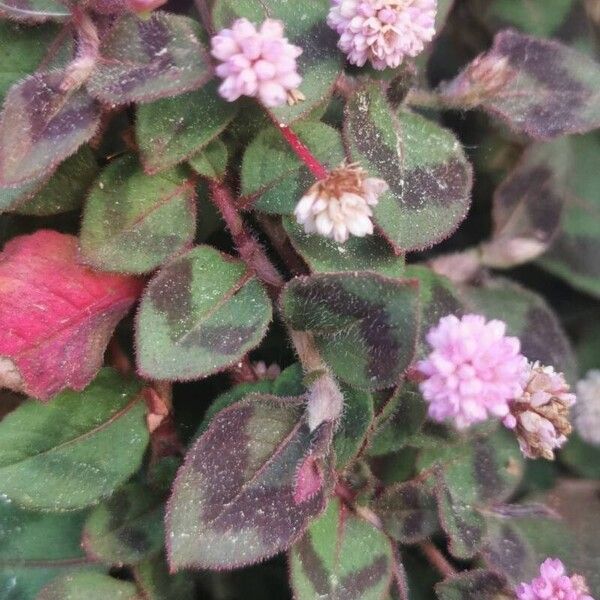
(205, 16)
(251, 252)
(437, 559)
(428, 99)
(316, 167)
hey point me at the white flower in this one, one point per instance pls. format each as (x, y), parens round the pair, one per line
(340, 205)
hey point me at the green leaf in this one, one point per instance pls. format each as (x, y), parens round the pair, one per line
(405, 420)
(470, 475)
(305, 26)
(36, 548)
(408, 512)
(41, 125)
(528, 317)
(364, 324)
(474, 585)
(235, 501)
(200, 314)
(60, 456)
(134, 222)
(341, 556)
(22, 50)
(147, 59)
(582, 458)
(155, 582)
(528, 206)
(34, 11)
(276, 176)
(354, 425)
(212, 161)
(572, 256)
(127, 528)
(323, 255)
(424, 165)
(172, 130)
(89, 586)
(552, 91)
(66, 188)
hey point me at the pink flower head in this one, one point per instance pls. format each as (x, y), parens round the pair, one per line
(473, 371)
(554, 584)
(258, 63)
(383, 32)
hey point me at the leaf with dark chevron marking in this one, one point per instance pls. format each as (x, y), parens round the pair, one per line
(528, 206)
(408, 512)
(41, 125)
(528, 317)
(127, 528)
(474, 585)
(574, 254)
(34, 11)
(147, 59)
(305, 26)
(133, 222)
(200, 314)
(549, 89)
(425, 167)
(365, 325)
(234, 501)
(341, 556)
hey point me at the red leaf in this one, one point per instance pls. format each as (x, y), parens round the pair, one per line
(56, 316)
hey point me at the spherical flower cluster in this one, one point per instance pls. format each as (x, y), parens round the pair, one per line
(340, 204)
(587, 411)
(540, 416)
(258, 63)
(473, 372)
(554, 584)
(383, 32)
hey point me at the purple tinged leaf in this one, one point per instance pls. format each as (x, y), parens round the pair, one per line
(238, 498)
(474, 585)
(41, 125)
(34, 11)
(144, 60)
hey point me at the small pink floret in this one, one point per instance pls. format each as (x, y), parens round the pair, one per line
(259, 63)
(383, 32)
(554, 584)
(473, 371)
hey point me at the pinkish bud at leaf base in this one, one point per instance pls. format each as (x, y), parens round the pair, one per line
(340, 205)
(486, 76)
(554, 584)
(587, 410)
(473, 371)
(259, 63)
(144, 6)
(325, 402)
(540, 416)
(382, 32)
(504, 253)
(309, 479)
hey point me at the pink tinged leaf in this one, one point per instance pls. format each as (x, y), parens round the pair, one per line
(41, 125)
(309, 480)
(56, 315)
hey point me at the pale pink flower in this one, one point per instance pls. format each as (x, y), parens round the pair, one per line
(554, 584)
(473, 371)
(383, 32)
(340, 205)
(540, 416)
(257, 63)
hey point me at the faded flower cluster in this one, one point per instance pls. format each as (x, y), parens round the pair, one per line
(382, 32)
(540, 416)
(473, 371)
(340, 204)
(259, 63)
(554, 584)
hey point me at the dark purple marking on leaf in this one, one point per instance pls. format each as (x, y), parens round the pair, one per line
(579, 254)
(486, 468)
(154, 37)
(224, 340)
(506, 552)
(312, 565)
(358, 583)
(171, 294)
(137, 539)
(375, 327)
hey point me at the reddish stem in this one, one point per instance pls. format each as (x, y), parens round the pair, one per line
(317, 168)
(242, 372)
(437, 559)
(281, 244)
(399, 573)
(251, 252)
